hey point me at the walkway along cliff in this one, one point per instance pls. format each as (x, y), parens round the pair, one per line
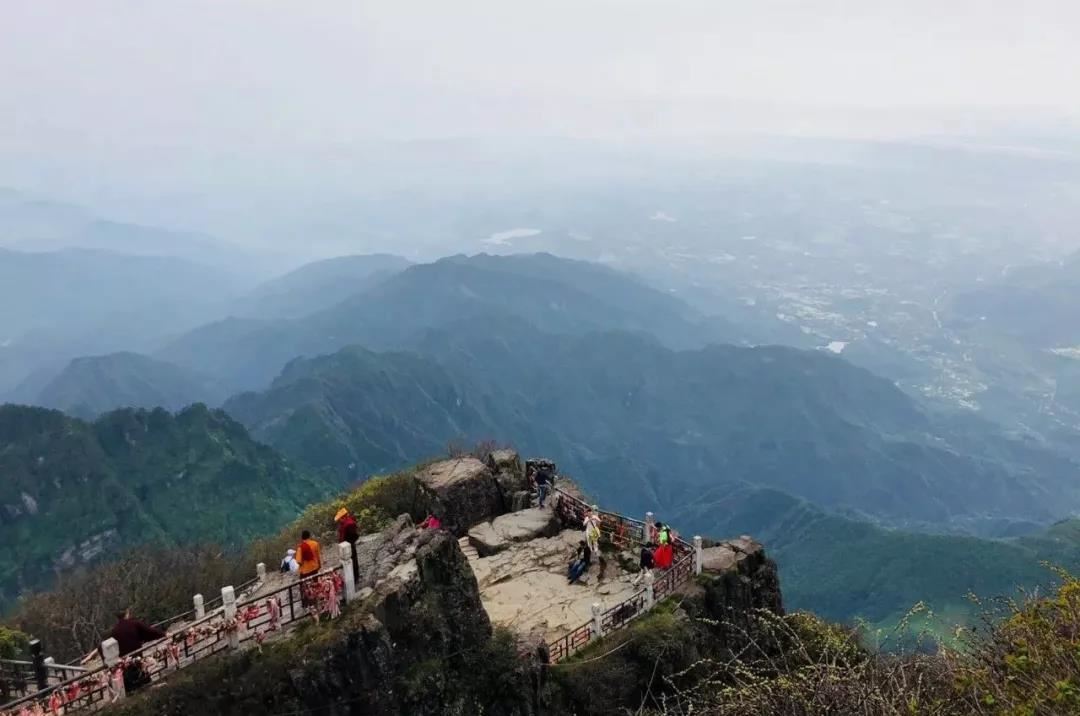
(415, 636)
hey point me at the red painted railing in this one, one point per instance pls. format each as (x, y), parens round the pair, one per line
(255, 620)
(623, 532)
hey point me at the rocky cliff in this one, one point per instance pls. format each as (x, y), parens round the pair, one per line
(419, 641)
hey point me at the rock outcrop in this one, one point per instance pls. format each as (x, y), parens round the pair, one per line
(466, 491)
(523, 526)
(739, 578)
(511, 480)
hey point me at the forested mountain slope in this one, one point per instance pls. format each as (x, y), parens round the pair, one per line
(75, 491)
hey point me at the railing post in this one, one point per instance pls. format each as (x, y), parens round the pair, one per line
(110, 655)
(228, 601)
(260, 571)
(650, 596)
(697, 554)
(41, 674)
(597, 624)
(200, 608)
(49, 661)
(650, 523)
(347, 571)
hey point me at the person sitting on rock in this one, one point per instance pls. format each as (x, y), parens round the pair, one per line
(431, 522)
(582, 560)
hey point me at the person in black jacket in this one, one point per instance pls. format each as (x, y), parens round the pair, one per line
(542, 478)
(580, 565)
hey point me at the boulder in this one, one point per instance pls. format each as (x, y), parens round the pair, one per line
(506, 461)
(492, 537)
(510, 478)
(726, 555)
(463, 492)
(520, 500)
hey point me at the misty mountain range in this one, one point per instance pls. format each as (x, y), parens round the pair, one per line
(658, 388)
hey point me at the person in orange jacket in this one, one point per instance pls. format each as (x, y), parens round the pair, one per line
(307, 554)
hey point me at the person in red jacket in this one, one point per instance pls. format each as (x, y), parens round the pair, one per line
(131, 635)
(349, 531)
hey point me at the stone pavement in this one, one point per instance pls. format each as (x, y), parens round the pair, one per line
(524, 586)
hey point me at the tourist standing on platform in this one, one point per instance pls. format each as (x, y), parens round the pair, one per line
(349, 531)
(592, 529)
(310, 563)
(542, 478)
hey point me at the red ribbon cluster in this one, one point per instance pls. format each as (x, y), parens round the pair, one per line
(323, 593)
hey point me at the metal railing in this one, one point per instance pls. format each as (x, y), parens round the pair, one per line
(622, 531)
(212, 605)
(568, 644)
(254, 620)
(90, 689)
(20, 678)
(17, 678)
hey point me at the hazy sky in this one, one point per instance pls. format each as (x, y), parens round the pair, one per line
(103, 100)
(132, 72)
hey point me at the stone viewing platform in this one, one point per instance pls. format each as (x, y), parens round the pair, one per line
(524, 587)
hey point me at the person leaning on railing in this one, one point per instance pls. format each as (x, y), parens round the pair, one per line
(131, 635)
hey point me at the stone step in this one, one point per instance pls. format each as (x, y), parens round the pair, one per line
(467, 549)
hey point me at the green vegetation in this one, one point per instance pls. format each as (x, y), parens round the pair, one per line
(158, 582)
(88, 387)
(374, 503)
(845, 569)
(1024, 662)
(74, 492)
(358, 412)
(12, 642)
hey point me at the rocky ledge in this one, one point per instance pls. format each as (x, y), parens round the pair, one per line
(523, 526)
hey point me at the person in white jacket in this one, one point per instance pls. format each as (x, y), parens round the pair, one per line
(592, 530)
(289, 563)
